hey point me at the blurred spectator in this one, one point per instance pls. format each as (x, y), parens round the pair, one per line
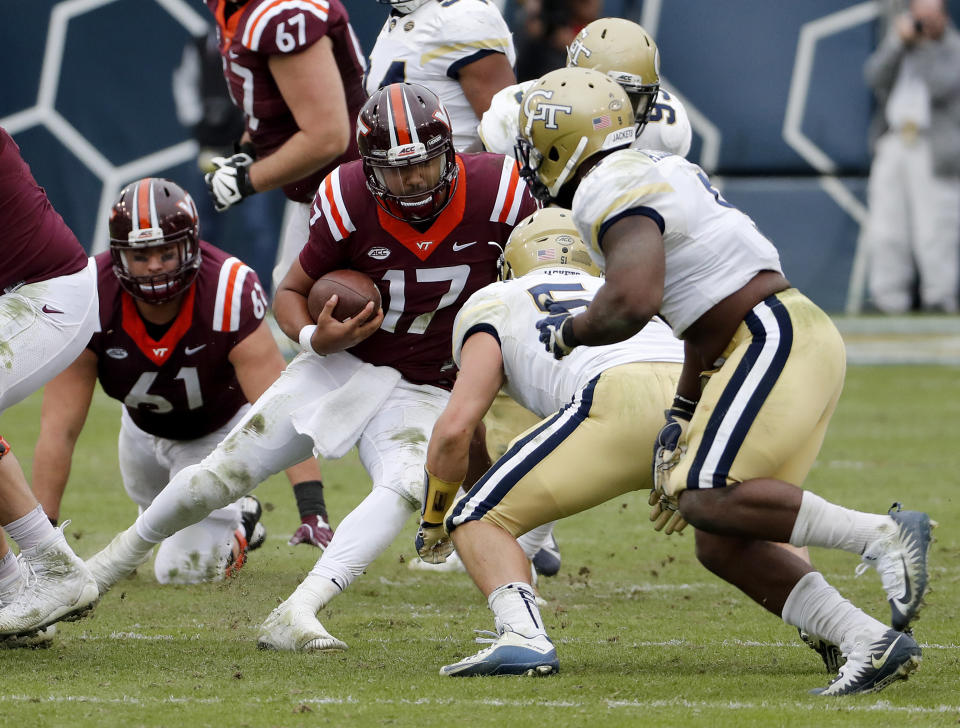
(204, 106)
(545, 28)
(913, 228)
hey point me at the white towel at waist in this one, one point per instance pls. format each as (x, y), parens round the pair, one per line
(336, 420)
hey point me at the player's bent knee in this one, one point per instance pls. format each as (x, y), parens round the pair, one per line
(717, 553)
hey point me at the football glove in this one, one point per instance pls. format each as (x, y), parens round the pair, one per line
(433, 542)
(313, 530)
(556, 333)
(230, 182)
(669, 448)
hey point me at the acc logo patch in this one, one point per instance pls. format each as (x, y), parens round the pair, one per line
(379, 253)
(117, 353)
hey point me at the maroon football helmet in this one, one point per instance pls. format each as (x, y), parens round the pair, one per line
(405, 142)
(154, 213)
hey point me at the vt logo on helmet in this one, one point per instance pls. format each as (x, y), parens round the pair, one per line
(566, 117)
(406, 144)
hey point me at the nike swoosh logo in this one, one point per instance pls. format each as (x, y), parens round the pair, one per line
(907, 589)
(47, 309)
(193, 349)
(877, 664)
(461, 246)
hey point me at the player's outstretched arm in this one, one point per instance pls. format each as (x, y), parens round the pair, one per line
(478, 381)
(311, 86)
(66, 401)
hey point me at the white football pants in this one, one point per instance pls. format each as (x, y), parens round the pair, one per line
(294, 231)
(201, 551)
(392, 447)
(43, 327)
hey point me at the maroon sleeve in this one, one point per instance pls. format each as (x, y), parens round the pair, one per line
(331, 223)
(286, 26)
(37, 244)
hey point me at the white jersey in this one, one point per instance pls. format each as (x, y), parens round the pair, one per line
(430, 45)
(712, 249)
(510, 311)
(667, 130)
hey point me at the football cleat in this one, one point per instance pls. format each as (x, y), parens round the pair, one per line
(250, 514)
(119, 558)
(547, 560)
(453, 563)
(37, 640)
(293, 628)
(314, 530)
(831, 655)
(508, 654)
(57, 587)
(872, 665)
(901, 560)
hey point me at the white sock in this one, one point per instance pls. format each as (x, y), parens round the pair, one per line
(821, 523)
(359, 539)
(534, 539)
(31, 530)
(9, 577)
(818, 609)
(514, 608)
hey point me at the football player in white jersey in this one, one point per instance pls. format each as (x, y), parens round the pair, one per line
(461, 50)
(588, 402)
(763, 371)
(626, 52)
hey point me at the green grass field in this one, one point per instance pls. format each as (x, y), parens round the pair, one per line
(645, 635)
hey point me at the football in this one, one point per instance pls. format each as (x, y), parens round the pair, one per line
(354, 289)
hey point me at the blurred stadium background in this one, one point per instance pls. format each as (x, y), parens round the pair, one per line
(774, 90)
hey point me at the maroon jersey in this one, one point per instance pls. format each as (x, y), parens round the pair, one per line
(183, 386)
(263, 28)
(37, 244)
(424, 278)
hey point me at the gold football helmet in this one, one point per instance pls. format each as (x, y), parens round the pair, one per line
(566, 117)
(546, 239)
(624, 51)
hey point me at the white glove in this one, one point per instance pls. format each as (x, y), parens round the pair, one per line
(229, 183)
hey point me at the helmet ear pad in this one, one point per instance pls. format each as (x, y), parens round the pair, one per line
(155, 213)
(400, 126)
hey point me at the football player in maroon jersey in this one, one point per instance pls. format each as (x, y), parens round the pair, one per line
(47, 313)
(427, 225)
(296, 70)
(184, 345)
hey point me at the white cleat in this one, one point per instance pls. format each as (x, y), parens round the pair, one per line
(901, 560)
(508, 654)
(37, 640)
(119, 558)
(294, 628)
(57, 587)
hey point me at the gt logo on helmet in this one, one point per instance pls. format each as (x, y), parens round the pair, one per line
(547, 113)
